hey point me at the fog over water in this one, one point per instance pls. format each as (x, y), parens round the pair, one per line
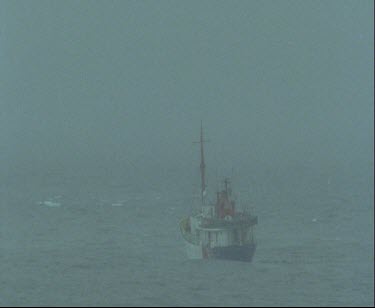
(100, 102)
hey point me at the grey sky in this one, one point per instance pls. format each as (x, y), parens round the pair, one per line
(99, 83)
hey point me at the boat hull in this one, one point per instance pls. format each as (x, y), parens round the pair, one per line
(242, 253)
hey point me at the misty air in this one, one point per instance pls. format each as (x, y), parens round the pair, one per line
(186, 153)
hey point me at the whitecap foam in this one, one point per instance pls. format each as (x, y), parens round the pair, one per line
(50, 203)
(332, 239)
(117, 204)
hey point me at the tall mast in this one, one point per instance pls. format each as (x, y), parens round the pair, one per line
(202, 167)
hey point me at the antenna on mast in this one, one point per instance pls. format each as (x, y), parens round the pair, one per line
(202, 165)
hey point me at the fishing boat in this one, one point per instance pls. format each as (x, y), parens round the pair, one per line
(218, 230)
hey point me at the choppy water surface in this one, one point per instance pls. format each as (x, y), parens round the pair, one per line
(103, 244)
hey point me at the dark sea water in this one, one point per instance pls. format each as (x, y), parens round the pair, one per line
(91, 242)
